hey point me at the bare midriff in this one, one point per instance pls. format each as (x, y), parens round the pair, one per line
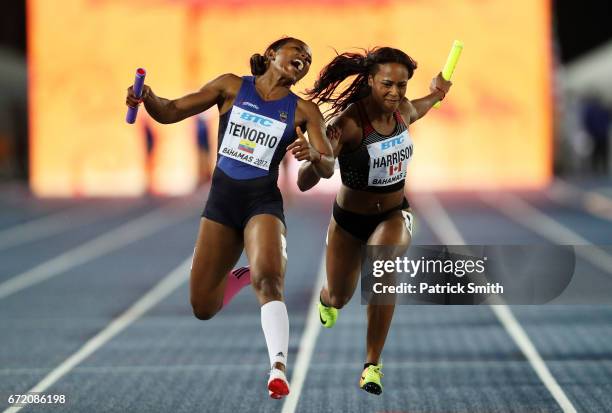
(368, 203)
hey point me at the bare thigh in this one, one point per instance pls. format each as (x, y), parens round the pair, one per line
(263, 243)
(392, 232)
(393, 235)
(217, 249)
(343, 262)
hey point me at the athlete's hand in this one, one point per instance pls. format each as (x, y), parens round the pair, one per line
(440, 85)
(302, 150)
(132, 101)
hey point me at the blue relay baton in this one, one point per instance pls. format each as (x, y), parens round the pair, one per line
(138, 84)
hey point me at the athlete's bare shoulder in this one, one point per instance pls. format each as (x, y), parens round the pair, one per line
(408, 111)
(306, 106)
(228, 83)
(349, 123)
(306, 111)
(225, 87)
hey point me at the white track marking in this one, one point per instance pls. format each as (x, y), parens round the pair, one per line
(115, 239)
(439, 221)
(50, 225)
(161, 290)
(543, 225)
(307, 344)
(592, 202)
(442, 225)
(521, 338)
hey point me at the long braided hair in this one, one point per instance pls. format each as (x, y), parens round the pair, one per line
(361, 65)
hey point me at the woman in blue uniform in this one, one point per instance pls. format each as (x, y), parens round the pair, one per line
(260, 119)
(369, 134)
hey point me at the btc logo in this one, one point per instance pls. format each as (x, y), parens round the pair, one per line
(257, 119)
(391, 143)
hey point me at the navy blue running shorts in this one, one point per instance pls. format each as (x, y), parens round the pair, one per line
(232, 202)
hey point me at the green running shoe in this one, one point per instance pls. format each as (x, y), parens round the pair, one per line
(327, 315)
(370, 379)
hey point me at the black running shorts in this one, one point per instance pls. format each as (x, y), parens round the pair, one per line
(362, 226)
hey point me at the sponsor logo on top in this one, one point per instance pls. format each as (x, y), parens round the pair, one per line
(260, 120)
(392, 142)
(254, 106)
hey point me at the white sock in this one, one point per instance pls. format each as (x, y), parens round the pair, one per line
(275, 325)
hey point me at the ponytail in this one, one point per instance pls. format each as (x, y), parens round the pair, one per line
(259, 64)
(361, 65)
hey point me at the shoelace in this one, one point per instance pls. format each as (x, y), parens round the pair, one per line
(377, 369)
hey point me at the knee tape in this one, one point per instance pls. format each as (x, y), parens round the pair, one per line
(284, 246)
(408, 221)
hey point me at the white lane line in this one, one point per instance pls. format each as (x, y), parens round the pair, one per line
(161, 290)
(127, 233)
(543, 225)
(592, 202)
(307, 344)
(521, 338)
(442, 226)
(50, 225)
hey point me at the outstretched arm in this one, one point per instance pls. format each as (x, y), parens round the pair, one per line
(317, 148)
(417, 108)
(171, 111)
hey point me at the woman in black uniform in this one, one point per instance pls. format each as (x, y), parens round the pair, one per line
(260, 119)
(369, 135)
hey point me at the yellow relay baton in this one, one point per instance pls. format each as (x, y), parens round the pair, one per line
(451, 62)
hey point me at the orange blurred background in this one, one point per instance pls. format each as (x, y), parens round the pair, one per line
(493, 131)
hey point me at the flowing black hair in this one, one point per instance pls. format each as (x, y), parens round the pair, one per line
(259, 63)
(350, 64)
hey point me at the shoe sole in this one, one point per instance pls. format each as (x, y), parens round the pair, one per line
(372, 388)
(278, 389)
(275, 396)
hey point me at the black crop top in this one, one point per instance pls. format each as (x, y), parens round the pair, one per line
(379, 163)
